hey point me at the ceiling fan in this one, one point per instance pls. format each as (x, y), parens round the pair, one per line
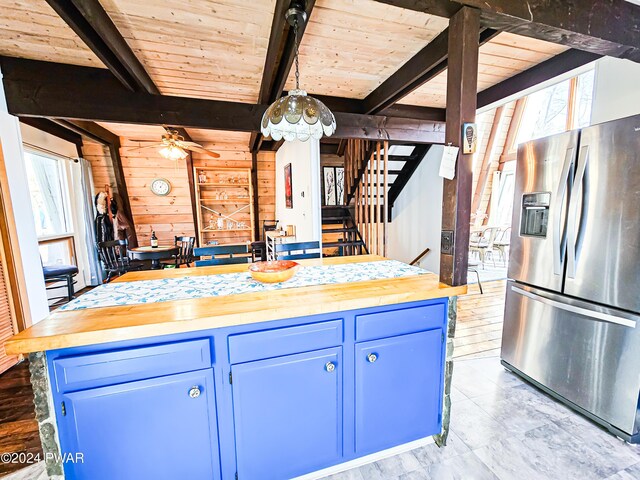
(173, 146)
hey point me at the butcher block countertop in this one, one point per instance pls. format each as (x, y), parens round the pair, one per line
(72, 328)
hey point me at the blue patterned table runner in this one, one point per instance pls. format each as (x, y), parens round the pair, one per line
(201, 286)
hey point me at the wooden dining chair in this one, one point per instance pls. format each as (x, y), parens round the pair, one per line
(113, 255)
(222, 255)
(185, 251)
(297, 251)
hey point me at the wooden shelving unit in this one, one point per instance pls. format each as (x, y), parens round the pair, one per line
(229, 192)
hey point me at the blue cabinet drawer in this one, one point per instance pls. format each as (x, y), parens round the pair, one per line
(400, 321)
(284, 341)
(126, 365)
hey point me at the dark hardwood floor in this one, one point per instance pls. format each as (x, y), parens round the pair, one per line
(18, 426)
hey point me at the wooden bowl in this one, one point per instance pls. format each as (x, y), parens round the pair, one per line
(273, 272)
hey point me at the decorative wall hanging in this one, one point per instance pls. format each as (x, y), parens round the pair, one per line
(333, 185)
(288, 186)
(469, 138)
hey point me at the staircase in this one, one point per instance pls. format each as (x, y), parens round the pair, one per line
(374, 178)
(339, 233)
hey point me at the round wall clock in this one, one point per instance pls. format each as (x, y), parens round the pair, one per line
(161, 186)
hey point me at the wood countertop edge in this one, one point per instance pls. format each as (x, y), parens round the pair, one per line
(80, 328)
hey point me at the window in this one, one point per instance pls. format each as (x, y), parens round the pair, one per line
(49, 188)
(557, 108)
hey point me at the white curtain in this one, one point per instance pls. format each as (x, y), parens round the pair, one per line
(96, 274)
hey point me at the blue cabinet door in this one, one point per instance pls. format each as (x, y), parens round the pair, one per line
(162, 428)
(398, 390)
(288, 414)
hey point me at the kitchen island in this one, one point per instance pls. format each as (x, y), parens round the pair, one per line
(151, 377)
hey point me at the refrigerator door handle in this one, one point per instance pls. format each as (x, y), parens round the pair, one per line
(577, 207)
(559, 234)
(605, 317)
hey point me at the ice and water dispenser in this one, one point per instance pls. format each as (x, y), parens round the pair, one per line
(535, 214)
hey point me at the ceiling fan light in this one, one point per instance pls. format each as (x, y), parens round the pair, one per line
(173, 152)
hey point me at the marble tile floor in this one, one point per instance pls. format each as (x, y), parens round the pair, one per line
(502, 428)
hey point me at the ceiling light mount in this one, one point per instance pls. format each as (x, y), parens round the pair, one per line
(297, 116)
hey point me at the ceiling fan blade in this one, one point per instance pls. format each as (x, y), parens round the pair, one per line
(142, 141)
(194, 147)
(134, 147)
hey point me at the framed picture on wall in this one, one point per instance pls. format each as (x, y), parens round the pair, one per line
(333, 185)
(288, 186)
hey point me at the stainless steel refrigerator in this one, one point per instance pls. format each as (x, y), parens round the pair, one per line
(572, 314)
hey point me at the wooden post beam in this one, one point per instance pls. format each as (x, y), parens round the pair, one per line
(462, 80)
(192, 184)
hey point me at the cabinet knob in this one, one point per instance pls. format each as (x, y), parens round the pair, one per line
(372, 357)
(194, 392)
(330, 367)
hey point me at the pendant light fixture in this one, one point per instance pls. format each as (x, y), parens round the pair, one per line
(297, 116)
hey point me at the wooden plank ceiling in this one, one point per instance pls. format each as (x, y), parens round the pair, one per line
(351, 47)
(31, 29)
(198, 48)
(500, 58)
(217, 49)
(155, 132)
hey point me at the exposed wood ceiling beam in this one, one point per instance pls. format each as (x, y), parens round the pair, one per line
(92, 24)
(558, 65)
(418, 70)
(439, 8)
(279, 58)
(53, 128)
(605, 27)
(41, 89)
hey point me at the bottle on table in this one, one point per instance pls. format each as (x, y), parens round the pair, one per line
(154, 240)
(220, 222)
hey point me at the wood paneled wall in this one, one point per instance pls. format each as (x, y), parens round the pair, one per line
(172, 215)
(101, 165)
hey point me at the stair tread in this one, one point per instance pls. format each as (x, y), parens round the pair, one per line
(342, 244)
(339, 230)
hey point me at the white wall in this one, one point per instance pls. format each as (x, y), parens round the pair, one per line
(417, 215)
(21, 201)
(34, 137)
(304, 158)
(616, 91)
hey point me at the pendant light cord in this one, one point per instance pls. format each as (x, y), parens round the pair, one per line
(295, 40)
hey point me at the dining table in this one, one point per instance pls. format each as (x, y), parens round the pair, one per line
(155, 254)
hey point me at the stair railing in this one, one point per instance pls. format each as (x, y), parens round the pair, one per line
(366, 175)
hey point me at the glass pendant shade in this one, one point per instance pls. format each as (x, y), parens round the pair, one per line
(173, 152)
(298, 117)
